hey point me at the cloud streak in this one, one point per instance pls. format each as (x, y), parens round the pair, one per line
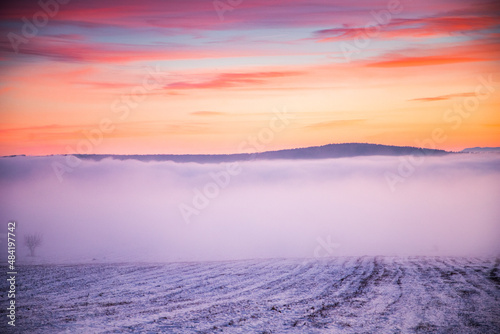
(231, 80)
(443, 97)
(423, 61)
(427, 27)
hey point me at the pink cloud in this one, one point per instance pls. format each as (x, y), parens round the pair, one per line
(201, 14)
(229, 80)
(80, 50)
(483, 50)
(423, 61)
(417, 28)
(105, 85)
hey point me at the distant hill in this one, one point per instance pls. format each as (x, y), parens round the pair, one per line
(481, 149)
(315, 152)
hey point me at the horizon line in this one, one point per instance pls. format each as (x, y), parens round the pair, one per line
(240, 153)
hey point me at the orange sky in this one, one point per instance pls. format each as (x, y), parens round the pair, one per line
(154, 77)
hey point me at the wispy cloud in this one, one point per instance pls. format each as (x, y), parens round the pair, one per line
(443, 97)
(428, 27)
(231, 80)
(405, 61)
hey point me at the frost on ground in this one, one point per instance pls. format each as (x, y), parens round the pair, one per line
(340, 295)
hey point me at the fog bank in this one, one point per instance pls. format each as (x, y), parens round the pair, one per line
(129, 210)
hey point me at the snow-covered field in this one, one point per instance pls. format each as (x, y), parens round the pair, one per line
(335, 295)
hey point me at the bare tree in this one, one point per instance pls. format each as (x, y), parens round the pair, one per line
(32, 241)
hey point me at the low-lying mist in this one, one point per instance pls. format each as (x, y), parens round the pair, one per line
(163, 211)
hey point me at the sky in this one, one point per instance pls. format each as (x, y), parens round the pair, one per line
(183, 77)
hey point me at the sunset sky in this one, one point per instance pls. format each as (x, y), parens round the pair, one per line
(201, 76)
